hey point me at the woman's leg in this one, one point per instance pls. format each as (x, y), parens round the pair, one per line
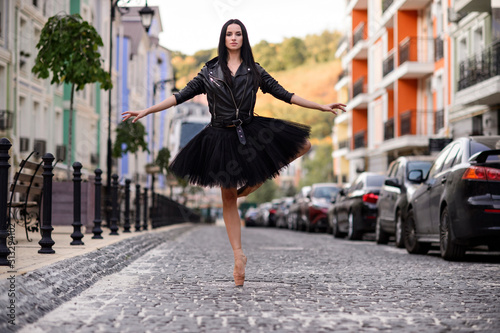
(304, 149)
(233, 229)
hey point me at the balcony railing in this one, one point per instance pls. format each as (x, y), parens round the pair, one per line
(386, 4)
(388, 65)
(358, 33)
(358, 87)
(438, 48)
(360, 140)
(389, 129)
(344, 144)
(480, 67)
(415, 49)
(438, 120)
(342, 74)
(406, 122)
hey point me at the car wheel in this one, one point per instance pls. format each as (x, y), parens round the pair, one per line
(449, 249)
(381, 237)
(412, 245)
(352, 233)
(400, 241)
(335, 227)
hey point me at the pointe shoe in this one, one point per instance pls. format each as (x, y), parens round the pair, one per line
(240, 261)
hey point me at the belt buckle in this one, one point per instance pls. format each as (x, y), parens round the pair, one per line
(237, 122)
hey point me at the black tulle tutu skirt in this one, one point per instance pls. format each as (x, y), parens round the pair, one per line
(215, 157)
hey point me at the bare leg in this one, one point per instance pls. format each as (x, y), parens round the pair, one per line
(233, 229)
(304, 149)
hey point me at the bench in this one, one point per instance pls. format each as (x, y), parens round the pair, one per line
(26, 196)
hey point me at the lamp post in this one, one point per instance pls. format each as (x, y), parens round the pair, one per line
(146, 15)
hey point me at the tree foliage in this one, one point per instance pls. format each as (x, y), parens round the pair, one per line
(163, 159)
(129, 138)
(68, 48)
(265, 193)
(318, 165)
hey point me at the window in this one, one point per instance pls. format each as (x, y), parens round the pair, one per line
(438, 164)
(477, 125)
(2, 20)
(478, 40)
(451, 156)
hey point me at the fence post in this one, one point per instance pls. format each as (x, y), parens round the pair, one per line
(46, 242)
(145, 218)
(4, 183)
(77, 205)
(126, 224)
(97, 215)
(137, 207)
(114, 205)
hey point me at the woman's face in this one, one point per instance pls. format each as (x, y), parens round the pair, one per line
(234, 37)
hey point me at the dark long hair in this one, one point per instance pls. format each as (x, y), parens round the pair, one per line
(246, 53)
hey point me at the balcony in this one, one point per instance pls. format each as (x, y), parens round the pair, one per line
(358, 47)
(344, 144)
(407, 122)
(438, 48)
(389, 129)
(466, 6)
(360, 139)
(359, 98)
(479, 78)
(388, 64)
(342, 80)
(358, 34)
(438, 120)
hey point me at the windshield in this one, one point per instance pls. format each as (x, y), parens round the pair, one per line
(486, 143)
(326, 192)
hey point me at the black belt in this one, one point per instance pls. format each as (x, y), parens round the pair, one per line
(233, 123)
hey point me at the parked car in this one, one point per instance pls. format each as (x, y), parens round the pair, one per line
(282, 212)
(314, 208)
(262, 217)
(294, 215)
(250, 217)
(458, 203)
(393, 198)
(354, 212)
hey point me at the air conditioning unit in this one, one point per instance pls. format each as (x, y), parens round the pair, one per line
(61, 152)
(24, 144)
(40, 146)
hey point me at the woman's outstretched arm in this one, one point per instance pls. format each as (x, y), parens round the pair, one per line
(167, 103)
(297, 100)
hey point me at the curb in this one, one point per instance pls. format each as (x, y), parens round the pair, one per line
(43, 290)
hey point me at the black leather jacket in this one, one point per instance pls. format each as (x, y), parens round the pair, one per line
(226, 104)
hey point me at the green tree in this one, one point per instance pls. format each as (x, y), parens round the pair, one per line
(293, 52)
(266, 55)
(163, 159)
(318, 165)
(265, 193)
(68, 47)
(129, 139)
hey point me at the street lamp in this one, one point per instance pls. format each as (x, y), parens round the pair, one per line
(146, 15)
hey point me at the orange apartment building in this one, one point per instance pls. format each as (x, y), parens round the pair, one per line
(403, 79)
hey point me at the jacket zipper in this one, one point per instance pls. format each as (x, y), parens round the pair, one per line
(231, 92)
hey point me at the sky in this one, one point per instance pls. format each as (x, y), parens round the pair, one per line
(193, 25)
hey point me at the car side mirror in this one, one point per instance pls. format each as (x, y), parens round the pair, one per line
(416, 176)
(342, 192)
(392, 182)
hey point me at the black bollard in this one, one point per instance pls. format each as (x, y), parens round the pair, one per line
(4, 183)
(114, 205)
(46, 242)
(97, 215)
(137, 207)
(77, 205)
(145, 219)
(126, 224)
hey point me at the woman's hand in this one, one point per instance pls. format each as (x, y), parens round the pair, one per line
(332, 107)
(137, 114)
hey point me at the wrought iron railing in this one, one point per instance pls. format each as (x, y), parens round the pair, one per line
(358, 34)
(415, 49)
(344, 144)
(358, 87)
(388, 64)
(406, 122)
(438, 120)
(438, 48)
(342, 74)
(389, 129)
(479, 67)
(386, 4)
(360, 139)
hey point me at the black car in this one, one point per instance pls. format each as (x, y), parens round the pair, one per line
(354, 212)
(393, 198)
(458, 202)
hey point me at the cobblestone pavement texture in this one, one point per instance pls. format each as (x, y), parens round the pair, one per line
(296, 282)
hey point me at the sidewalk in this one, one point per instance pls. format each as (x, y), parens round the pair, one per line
(27, 258)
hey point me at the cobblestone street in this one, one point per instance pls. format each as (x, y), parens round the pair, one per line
(296, 282)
